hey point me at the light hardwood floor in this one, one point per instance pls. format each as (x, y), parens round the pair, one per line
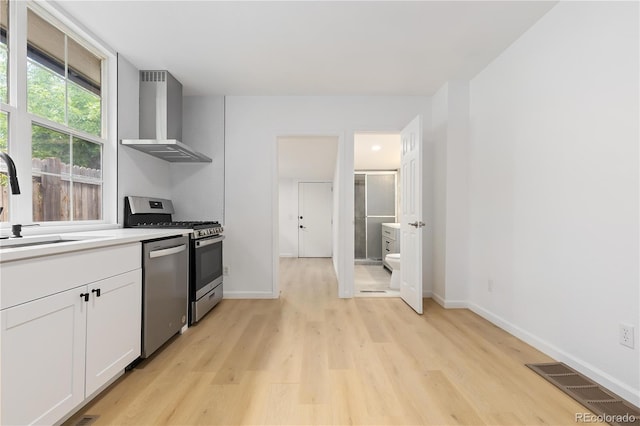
(311, 358)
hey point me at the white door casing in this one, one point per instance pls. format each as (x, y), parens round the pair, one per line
(315, 209)
(411, 217)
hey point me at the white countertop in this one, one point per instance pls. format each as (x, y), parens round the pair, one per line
(392, 225)
(84, 241)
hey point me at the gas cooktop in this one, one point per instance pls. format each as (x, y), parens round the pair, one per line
(179, 224)
(145, 212)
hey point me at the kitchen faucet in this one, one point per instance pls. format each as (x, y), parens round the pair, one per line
(13, 176)
(13, 183)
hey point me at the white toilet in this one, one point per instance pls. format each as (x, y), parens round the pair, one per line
(393, 260)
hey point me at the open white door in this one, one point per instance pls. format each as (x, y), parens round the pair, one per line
(411, 217)
(315, 209)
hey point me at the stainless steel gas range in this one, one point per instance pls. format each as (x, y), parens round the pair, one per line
(205, 258)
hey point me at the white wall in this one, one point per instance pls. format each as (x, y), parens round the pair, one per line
(450, 132)
(197, 189)
(138, 173)
(554, 189)
(338, 258)
(252, 127)
(439, 119)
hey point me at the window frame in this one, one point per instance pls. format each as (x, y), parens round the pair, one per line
(20, 121)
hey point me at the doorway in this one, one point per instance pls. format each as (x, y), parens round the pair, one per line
(376, 206)
(306, 166)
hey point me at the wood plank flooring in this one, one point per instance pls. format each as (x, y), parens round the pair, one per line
(310, 358)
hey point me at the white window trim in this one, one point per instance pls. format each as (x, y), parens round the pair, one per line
(20, 206)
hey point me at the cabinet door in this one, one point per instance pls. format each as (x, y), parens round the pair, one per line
(43, 344)
(388, 245)
(113, 327)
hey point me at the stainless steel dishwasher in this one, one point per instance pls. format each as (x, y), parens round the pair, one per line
(165, 291)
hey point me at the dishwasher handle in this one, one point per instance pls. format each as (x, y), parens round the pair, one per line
(168, 251)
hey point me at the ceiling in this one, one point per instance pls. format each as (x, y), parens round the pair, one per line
(309, 47)
(385, 157)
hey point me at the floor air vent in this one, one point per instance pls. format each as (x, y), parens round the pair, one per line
(86, 420)
(605, 404)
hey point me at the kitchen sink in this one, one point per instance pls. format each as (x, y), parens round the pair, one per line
(34, 241)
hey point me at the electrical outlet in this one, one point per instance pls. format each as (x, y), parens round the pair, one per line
(490, 286)
(626, 335)
(225, 270)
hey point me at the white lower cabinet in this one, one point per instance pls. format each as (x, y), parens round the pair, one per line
(58, 350)
(43, 351)
(390, 241)
(113, 327)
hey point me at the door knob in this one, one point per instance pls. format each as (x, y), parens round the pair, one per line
(417, 224)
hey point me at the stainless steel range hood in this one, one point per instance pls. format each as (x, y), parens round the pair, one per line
(161, 120)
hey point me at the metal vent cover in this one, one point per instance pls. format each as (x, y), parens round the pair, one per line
(601, 401)
(86, 420)
(153, 76)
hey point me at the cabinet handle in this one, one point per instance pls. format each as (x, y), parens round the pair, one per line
(96, 291)
(85, 296)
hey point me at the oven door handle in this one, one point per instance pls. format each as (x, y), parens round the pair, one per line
(168, 251)
(209, 241)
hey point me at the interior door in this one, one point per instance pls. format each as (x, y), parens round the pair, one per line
(315, 208)
(411, 219)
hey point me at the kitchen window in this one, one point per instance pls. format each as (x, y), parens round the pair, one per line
(4, 179)
(57, 99)
(4, 119)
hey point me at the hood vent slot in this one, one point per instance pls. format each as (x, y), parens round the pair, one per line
(153, 75)
(161, 120)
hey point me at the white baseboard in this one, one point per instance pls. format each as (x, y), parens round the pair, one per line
(599, 376)
(439, 300)
(428, 294)
(287, 255)
(456, 304)
(450, 304)
(249, 295)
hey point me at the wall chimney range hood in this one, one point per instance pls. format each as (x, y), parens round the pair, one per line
(161, 120)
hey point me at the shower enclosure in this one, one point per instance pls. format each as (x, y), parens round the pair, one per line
(375, 204)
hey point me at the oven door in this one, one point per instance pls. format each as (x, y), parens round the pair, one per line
(207, 266)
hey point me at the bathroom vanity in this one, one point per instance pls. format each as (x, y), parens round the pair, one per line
(390, 241)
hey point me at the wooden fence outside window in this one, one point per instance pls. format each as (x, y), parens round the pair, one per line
(53, 182)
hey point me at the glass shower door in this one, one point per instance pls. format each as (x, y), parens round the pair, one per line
(374, 204)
